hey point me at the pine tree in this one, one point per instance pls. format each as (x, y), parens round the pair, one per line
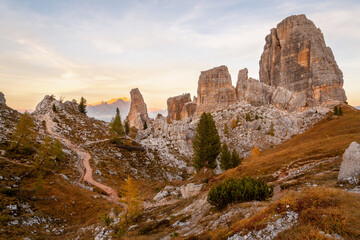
(235, 159)
(145, 125)
(336, 111)
(340, 111)
(248, 117)
(132, 198)
(226, 129)
(206, 143)
(23, 135)
(54, 108)
(116, 125)
(271, 130)
(82, 105)
(255, 152)
(225, 157)
(127, 128)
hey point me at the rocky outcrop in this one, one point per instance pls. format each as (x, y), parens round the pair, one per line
(175, 106)
(215, 90)
(138, 114)
(2, 99)
(350, 166)
(295, 57)
(251, 90)
(188, 110)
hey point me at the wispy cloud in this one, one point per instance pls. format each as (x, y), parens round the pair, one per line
(103, 49)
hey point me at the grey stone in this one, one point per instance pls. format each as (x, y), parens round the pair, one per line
(350, 166)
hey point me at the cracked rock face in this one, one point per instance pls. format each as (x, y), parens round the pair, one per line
(138, 114)
(2, 98)
(175, 106)
(215, 90)
(296, 57)
(350, 166)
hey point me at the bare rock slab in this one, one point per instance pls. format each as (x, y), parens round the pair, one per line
(350, 166)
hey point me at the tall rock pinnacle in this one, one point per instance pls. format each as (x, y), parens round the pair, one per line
(215, 90)
(138, 114)
(295, 57)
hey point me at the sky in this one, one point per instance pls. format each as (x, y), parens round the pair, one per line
(102, 49)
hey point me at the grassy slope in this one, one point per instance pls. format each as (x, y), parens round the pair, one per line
(328, 138)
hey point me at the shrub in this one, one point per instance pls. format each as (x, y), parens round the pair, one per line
(248, 117)
(237, 191)
(106, 219)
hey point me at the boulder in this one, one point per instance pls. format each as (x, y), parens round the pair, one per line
(296, 57)
(175, 106)
(350, 166)
(215, 90)
(138, 114)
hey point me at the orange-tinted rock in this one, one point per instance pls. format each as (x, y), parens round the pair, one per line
(138, 111)
(296, 57)
(215, 90)
(175, 106)
(188, 110)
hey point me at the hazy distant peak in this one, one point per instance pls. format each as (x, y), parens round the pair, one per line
(112, 101)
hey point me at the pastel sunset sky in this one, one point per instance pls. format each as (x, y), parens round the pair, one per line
(103, 49)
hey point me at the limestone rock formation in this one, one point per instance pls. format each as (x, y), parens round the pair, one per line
(251, 90)
(295, 57)
(188, 110)
(2, 99)
(350, 166)
(175, 106)
(215, 90)
(138, 110)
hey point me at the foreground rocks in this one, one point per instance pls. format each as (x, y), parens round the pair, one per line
(296, 57)
(138, 114)
(350, 166)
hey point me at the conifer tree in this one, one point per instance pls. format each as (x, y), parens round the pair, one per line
(235, 159)
(54, 108)
(23, 135)
(82, 105)
(132, 198)
(145, 125)
(336, 111)
(248, 117)
(116, 125)
(340, 111)
(127, 128)
(225, 157)
(206, 143)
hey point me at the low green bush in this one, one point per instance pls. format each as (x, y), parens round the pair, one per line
(238, 190)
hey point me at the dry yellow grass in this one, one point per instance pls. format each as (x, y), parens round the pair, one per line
(327, 138)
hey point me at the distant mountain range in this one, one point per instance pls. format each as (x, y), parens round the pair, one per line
(105, 110)
(358, 107)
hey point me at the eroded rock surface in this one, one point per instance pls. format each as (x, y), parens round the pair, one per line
(296, 57)
(138, 114)
(215, 90)
(350, 166)
(175, 106)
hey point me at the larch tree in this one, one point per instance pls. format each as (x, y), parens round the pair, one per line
(116, 125)
(255, 152)
(24, 135)
(206, 143)
(131, 196)
(82, 105)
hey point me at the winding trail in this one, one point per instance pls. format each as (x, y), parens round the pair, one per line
(85, 157)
